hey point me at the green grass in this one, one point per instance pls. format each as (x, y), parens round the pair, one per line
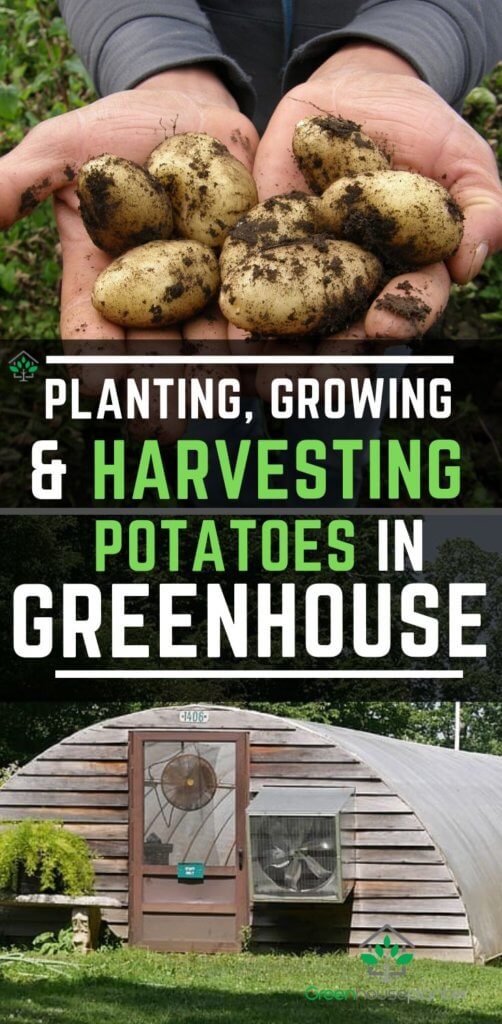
(131, 986)
(40, 77)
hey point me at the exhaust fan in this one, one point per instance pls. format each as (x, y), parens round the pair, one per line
(295, 841)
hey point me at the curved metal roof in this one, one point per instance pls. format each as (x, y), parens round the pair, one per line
(458, 798)
(456, 795)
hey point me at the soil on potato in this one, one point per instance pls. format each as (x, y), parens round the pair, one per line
(328, 319)
(372, 230)
(97, 208)
(256, 234)
(334, 128)
(263, 234)
(341, 128)
(201, 200)
(376, 232)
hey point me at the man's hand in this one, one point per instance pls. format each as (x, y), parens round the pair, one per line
(130, 125)
(382, 92)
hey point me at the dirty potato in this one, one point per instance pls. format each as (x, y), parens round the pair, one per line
(315, 284)
(210, 189)
(328, 147)
(407, 219)
(157, 284)
(121, 205)
(278, 220)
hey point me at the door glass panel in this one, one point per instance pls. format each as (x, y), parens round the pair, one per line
(189, 803)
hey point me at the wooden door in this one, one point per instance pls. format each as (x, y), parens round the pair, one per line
(188, 864)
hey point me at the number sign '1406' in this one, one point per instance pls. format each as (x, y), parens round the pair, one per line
(194, 716)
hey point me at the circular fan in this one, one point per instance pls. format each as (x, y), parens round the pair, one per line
(189, 782)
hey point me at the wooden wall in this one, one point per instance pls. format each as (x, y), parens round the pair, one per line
(400, 877)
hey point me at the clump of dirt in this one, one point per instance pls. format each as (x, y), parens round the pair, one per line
(241, 140)
(352, 194)
(174, 291)
(371, 230)
(156, 312)
(409, 307)
(339, 127)
(30, 198)
(143, 236)
(405, 286)
(96, 209)
(454, 210)
(255, 233)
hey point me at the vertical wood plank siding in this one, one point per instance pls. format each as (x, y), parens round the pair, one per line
(400, 877)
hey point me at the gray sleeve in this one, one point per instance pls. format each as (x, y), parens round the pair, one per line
(451, 43)
(124, 42)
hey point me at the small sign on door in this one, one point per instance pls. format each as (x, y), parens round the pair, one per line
(190, 872)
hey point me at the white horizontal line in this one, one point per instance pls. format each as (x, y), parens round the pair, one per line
(254, 674)
(230, 360)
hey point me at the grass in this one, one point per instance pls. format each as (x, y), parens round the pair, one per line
(148, 988)
(40, 77)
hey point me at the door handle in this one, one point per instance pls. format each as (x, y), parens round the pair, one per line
(240, 856)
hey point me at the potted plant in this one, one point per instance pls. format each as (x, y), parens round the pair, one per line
(43, 856)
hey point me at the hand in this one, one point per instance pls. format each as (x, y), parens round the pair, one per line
(382, 92)
(131, 125)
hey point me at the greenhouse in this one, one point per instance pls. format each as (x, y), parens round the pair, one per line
(207, 824)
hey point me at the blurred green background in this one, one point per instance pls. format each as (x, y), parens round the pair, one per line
(41, 77)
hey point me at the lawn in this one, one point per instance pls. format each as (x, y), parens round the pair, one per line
(139, 987)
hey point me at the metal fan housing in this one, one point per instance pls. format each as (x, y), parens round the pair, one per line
(189, 782)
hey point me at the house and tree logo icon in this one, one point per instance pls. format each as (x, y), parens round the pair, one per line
(387, 953)
(23, 367)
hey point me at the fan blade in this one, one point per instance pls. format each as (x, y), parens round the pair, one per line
(321, 847)
(293, 873)
(314, 866)
(275, 857)
(175, 775)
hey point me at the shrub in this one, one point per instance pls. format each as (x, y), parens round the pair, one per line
(7, 773)
(45, 849)
(50, 944)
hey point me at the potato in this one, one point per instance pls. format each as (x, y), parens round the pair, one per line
(408, 219)
(277, 220)
(121, 205)
(209, 188)
(327, 147)
(157, 284)
(301, 287)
